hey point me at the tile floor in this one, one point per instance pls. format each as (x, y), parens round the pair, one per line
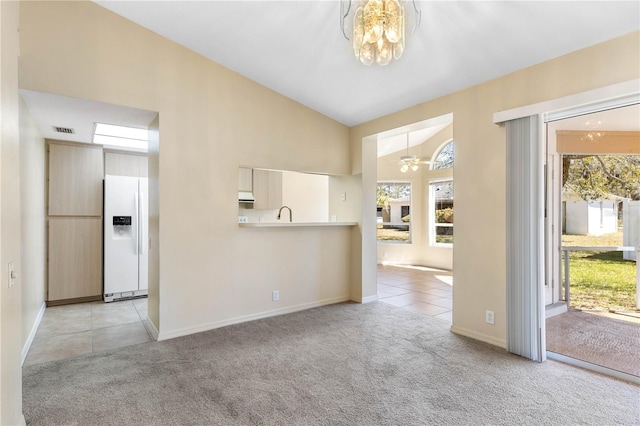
(81, 329)
(73, 330)
(417, 288)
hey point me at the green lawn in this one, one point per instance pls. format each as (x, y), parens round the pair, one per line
(601, 280)
(390, 234)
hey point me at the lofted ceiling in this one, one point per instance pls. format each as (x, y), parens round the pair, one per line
(297, 48)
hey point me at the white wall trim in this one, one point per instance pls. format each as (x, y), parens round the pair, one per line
(502, 343)
(32, 333)
(246, 318)
(369, 299)
(626, 92)
(151, 328)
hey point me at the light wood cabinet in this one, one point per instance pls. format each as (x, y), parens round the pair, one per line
(118, 164)
(75, 180)
(267, 189)
(74, 251)
(75, 258)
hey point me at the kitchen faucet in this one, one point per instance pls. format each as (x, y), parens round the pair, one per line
(290, 214)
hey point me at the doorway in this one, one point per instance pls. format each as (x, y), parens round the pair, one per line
(76, 149)
(593, 167)
(414, 267)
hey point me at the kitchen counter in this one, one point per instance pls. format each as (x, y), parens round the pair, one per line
(293, 224)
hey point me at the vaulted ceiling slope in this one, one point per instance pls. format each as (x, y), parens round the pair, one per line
(296, 48)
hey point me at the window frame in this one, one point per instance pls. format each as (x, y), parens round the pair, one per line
(435, 166)
(409, 224)
(433, 225)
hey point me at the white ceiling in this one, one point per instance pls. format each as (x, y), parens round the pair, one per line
(80, 115)
(297, 48)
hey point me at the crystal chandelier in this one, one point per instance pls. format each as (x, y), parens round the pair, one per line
(376, 28)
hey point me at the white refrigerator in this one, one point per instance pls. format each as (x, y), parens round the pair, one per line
(126, 240)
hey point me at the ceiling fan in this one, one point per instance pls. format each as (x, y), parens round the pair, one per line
(411, 161)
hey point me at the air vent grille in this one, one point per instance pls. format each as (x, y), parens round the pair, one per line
(67, 130)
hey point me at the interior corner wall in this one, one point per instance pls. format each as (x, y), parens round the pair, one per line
(479, 256)
(10, 297)
(33, 222)
(348, 209)
(212, 272)
(153, 291)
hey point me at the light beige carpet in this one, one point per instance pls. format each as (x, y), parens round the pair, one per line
(344, 364)
(596, 339)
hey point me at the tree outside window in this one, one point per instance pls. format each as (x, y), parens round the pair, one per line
(394, 212)
(442, 212)
(444, 159)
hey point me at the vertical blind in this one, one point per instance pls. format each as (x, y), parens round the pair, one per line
(525, 239)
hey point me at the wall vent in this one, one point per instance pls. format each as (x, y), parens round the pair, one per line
(67, 130)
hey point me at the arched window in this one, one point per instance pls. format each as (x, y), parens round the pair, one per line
(441, 196)
(444, 159)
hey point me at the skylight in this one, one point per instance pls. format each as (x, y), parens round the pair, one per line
(121, 136)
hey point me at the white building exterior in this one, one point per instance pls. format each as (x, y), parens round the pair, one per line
(593, 217)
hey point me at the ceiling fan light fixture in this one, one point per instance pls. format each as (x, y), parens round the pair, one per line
(408, 161)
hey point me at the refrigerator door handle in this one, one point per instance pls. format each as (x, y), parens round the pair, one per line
(142, 214)
(137, 224)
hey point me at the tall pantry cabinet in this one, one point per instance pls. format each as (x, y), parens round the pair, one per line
(74, 213)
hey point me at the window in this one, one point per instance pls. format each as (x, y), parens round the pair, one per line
(444, 159)
(442, 212)
(394, 212)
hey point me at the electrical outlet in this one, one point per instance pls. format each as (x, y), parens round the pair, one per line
(275, 296)
(385, 254)
(489, 317)
(343, 196)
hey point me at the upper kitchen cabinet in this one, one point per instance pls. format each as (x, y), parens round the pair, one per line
(267, 189)
(119, 164)
(75, 180)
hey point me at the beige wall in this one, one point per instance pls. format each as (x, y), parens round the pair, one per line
(154, 225)
(33, 223)
(479, 253)
(211, 120)
(10, 298)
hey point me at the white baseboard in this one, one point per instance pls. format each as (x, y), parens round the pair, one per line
(369, 299)
(151, 328)
(32, 333)
(479, 336)
(237, 320)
